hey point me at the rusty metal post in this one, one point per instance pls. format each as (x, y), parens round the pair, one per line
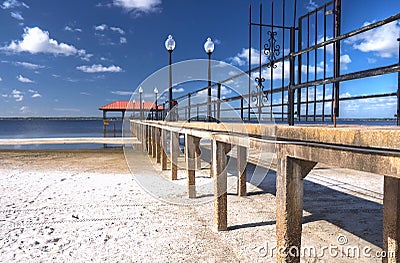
(398, 89)
(336, 71)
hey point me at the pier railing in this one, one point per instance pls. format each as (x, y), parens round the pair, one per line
(310, 91)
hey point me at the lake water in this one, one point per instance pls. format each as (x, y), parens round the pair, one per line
(41, 128)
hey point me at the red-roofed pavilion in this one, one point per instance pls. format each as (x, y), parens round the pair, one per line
(123, 106)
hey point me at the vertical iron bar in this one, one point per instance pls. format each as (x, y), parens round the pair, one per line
(283, 62)
(398, 90)
(299, 61)
(189, 95)
(259, 72)
(219, 101)
(249, 89)
(308, 63)
(290, 108)
(272, 63)
(337, 57)
(241, 108)
(323, 86)
(315, 65)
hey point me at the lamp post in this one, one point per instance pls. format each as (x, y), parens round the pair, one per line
(209, 48)
(156, 94)
(140, 101)
(170, 45)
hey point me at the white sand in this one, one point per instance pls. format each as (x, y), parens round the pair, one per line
(83, 206)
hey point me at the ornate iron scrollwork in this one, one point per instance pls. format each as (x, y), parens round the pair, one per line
(272, 49)
(257, 96)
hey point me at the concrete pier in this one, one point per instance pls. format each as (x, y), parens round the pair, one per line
(298, 149)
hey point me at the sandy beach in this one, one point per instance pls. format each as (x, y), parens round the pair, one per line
(59, 206)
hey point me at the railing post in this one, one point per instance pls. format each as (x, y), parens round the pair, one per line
(188, 107)
(241, 108)
(290, 106)
(164, 158)
(398, 89)
(219, 101)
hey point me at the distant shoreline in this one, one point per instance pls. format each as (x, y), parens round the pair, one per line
(55, 118)
(119, 118)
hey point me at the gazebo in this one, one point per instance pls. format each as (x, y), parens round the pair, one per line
(124, 106)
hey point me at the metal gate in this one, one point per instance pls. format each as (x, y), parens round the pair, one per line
(310, 93)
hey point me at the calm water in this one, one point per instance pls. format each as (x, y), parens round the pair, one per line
(84, 128)
(56, 128)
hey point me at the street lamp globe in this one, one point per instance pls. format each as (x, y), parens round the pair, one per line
(140, 90)
(170, 43)
(155, 91)
(209, 46)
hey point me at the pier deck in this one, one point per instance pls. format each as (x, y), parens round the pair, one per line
(298, 149)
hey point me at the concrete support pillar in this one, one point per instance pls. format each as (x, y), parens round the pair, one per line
(164, 158)
(241, 167)
(391, 219)
(153, 142)
(190, 150)
(144, 137)
(149, 141)
(289, 206)
(211, 161)
(220, 184)
(158, 144)
(197, 153)
(174, 151)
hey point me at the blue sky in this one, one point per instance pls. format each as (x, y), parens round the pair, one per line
(68, 58)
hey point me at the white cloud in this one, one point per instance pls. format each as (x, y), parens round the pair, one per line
(9, 4)
(178, 90)
(85, 93)
(217, 41)
(17, 95)
(1, 79)
(36, 95)
(117, 29)
(68, 28)
(29, 65)
(138, 6)
(99, 68)
(277, 72)
(242, 58)
(122, 40)
(381, 40)
(35, 40)
(371, 60)
(122, 93)
(24, 109)
(17, 15)
(329, 48)
(24, 80)
(311, 5)
(101, 27)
